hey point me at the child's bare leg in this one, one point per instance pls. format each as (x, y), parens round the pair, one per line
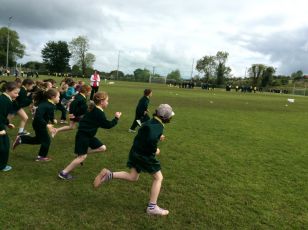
(153, 208)
(24, 118)
(67, 127)
(76, 162)
(156, 185)
(102, 148)
(133, 175)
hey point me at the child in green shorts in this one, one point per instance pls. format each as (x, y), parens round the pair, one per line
(85, 141)
(142, 157)
(10, 93)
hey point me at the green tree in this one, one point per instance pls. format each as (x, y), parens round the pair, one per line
(297, 75)
(16, 49)
(174, 75)
(267, 76)
(35, 65)
(214, 67)
(79, 48)
(206, 66)
(222, 71)
(56, 56)
(256, 71)
(76, 70)
(142, 75)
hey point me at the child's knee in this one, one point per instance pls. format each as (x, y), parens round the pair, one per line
(103, 148)
(81, 158)
(158, 176)
(25, 117)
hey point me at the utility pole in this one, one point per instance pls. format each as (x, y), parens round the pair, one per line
(150, 79)
(8, 41)
(192, 68)
(118, 65)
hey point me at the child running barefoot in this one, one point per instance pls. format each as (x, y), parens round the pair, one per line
(10, 93)
(85, 141)
(142, 157)
(44, 115)
(78, 108)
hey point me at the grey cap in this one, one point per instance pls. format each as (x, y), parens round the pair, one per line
(164, 111)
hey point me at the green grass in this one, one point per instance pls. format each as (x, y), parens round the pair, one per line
(230, 161)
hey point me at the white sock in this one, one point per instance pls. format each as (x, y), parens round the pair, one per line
(20, 130)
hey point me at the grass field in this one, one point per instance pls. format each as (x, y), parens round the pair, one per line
(230, 161)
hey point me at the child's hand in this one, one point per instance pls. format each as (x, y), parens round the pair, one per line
(162, 137)
(2, 132)
(71, 116)
(11, 126)
(118, 114)
(157, 151)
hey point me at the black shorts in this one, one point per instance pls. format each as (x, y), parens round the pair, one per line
(83, 142)
(143, 163)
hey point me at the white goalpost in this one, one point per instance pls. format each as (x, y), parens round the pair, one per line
(299, 90)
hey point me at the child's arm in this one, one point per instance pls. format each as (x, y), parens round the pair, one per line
(104, 123)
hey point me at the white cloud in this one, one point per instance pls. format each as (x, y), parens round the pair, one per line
(168, 34)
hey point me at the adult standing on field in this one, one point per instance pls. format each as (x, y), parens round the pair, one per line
(94, 82)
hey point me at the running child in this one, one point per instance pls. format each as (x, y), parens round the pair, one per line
(23, 100)
(142, 157)
(142, 111)
(10, 93)
(42, 123)
(78, 108)
(85, 140)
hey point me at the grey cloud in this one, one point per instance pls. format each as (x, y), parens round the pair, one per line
(289, 48)
(54, 15)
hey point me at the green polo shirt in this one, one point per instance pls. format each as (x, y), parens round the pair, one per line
(23, 100)
(145, 142)
(93, 120)
(5, 108)
(142, 106)
(79, 107)
(45, 113)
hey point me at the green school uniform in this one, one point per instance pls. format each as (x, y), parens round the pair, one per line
(43, 116)
(140, 109)
(79, 107)
(88, 126)
(5, 108)
(142, 155)
(23, 100)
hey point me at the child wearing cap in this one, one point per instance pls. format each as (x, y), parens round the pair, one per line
(141, 114)
(142, 157)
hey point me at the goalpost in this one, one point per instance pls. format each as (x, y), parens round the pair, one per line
(299, 90)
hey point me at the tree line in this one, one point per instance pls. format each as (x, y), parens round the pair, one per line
(56, 55)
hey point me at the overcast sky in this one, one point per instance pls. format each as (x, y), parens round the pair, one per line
(168, 34)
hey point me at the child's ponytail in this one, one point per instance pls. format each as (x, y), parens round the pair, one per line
(97, 98)
(42, 95)
(8, 86)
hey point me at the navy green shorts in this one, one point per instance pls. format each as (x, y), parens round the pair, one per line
(83, 142)
(143, 163)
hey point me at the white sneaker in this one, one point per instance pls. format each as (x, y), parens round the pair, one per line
(131, 131)
(157, 211)
(139, 122)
